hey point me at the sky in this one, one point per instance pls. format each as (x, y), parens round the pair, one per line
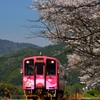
(14, 16)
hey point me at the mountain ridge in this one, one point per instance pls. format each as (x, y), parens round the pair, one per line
(7, 47)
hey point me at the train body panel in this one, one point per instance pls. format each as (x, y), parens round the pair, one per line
(51, 82)
(28, 82)
(44, 74)
(62, 77)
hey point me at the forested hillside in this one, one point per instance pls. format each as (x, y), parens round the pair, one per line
(10, 65)
(7, 47)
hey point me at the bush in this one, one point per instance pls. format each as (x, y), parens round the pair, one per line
(94, 93)
(88, 95)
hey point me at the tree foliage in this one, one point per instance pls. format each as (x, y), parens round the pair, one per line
(93, 93)
(75, 22)
(14, 90)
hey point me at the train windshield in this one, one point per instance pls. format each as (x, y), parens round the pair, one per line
(39, 67)
(29, 67)
(51, 67)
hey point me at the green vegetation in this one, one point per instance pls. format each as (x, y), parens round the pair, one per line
(10, 66)
(72, 78)
(71, 89)
(94, 93)
(14, 90)
(11, 78)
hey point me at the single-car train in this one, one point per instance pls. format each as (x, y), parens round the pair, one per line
(43, 77)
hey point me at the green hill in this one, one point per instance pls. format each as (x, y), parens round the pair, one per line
(10, 65)
(7, 47)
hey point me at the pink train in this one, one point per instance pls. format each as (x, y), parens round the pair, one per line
(43, 77)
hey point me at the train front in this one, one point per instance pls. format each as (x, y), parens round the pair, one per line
(40, 76)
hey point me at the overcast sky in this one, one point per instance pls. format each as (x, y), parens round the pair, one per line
(14, 14)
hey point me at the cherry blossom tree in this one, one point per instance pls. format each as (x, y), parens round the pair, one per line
(75, 22)
(88, 68)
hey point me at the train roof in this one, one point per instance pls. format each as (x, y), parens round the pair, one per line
(40, 56)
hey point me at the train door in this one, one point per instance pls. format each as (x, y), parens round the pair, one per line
(40, 75)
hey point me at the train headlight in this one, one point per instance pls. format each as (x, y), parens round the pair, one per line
(27, 61)
(52, 62)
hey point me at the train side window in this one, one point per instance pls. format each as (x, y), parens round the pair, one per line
(51, 67)
(29, 67)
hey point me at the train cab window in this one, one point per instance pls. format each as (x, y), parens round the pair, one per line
(29, 67)
(39, 67)
(50, 67)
